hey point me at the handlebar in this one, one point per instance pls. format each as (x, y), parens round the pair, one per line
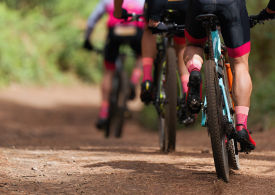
(175, 28)
(135, 17)
(253, 20)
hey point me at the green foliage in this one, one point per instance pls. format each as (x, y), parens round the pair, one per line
(262, 70)
(40, 40)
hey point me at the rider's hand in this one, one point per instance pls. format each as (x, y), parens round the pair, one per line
(264, 15)
(87, 45)
(121, 15)
(159, 29)
(124, 14)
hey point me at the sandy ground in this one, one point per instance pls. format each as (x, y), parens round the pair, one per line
(48, 145)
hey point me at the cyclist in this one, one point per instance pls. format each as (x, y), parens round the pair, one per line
(119, 32)
(149, 46)
(234, 22)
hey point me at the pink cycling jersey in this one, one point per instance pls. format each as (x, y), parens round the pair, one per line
(107, 6)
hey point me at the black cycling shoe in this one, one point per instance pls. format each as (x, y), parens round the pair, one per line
(246, 141)
(132, 93)
(186, 117)
(193, 99)
(146, 94)
(101, 123)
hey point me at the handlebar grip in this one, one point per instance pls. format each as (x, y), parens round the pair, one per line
(254, 17)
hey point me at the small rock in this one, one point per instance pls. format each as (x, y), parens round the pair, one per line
(34, 168)
(13, 147)
(205, 150)
(69, 174)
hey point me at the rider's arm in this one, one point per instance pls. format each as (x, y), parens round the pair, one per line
(271, 7)
(95, 16)
(118, 8)
(268, 13)
(157, 9)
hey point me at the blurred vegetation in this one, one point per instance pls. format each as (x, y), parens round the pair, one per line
(41, 42)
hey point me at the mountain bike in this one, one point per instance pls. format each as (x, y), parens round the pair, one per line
(218, 107)
(119, 94)
(169, 99)
(118, 110)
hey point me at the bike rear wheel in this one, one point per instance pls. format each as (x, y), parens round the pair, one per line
(170, 101)
(118, 98)
(159, 75)
(214, 109)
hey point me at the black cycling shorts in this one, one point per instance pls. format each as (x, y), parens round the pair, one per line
(177, 5)
(113, 43)
(233, 19)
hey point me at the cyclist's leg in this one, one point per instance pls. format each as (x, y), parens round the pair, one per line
(148, 47)
(148, 53)
(236, 35)
(180, 46)
(193, 56)
(111, 53)
(135, 43)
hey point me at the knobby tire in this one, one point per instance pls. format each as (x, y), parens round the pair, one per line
(170, 105)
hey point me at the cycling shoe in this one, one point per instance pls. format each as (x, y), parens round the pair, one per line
(194, 98)
(161, 28)
(246, 141)
(146, 94)
(132, 93)
(186, 117)
(101, 123)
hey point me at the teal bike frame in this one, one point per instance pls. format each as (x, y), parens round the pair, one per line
(217, 57)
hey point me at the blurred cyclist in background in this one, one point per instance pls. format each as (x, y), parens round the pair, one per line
(120, 32)
(149, 44)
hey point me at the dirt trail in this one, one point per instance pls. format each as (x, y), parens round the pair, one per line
(48, 145)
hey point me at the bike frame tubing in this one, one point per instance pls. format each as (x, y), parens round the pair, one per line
(217, 56)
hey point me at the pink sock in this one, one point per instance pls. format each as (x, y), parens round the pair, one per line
(136, 74)
(191, 64)
(241, 115)
(147, 68)
(184, 80)
(104, 110)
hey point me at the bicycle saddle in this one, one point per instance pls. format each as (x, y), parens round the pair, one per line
(207, 17)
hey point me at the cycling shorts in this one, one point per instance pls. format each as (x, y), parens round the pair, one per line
(180, 6)
(114, 41)
(233, 19)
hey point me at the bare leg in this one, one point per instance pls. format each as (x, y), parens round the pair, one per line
(184, 74)
(106, 84)
(242, 84)
(148, 55)
(148, 43)
(193, 52)
(181, 65)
